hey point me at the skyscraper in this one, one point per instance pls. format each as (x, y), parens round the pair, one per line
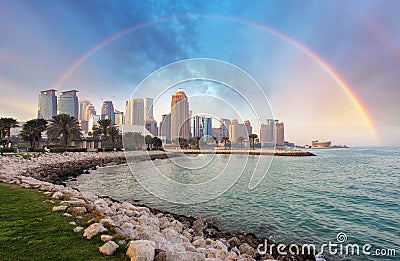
(237, 130)
(137, 110)
(248, 127)
(198, 128)
(279, 133)
(272, 134)
(164, 131)
(207, 126)
(148, 107)
(83, 115)
(47, 105)
(151, 125)
(68, 103)
(179, 115)
(118, 117)
(224, 125)
(107, 111)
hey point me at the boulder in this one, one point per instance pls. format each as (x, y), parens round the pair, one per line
(58, 195)
(185, 256)
(59, 208)
(78, 229)
(93, 230)
(77, 210)
(109, 248)
(106, 238)
(141, 250)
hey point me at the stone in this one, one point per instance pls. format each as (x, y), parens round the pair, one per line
(76, 202)
(67, 215)
(198, 226)
(185, 256)
(246, 249)
(141, 250)
(109, 248)
(93, 230)
(72, 223)
(78, 210)
(57, 195)
(78, 229)
(59, 208)
(234, 241)
(106, 238)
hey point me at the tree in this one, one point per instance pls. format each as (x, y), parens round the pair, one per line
(103, 127)
(252, 137)
(65, 126)
(114, 135)
(6, 124)
(148, 140)
(225, 140)
(32, 131)
(241, 139)
(133, 140)
(183, 143)
(157, 143)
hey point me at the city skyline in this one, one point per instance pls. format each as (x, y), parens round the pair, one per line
(340, 78)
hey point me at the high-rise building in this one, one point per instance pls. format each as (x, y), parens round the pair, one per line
(248, 127)
(224, 125)
(47, 105)
(164, 131)
(148, 107)
(197, 125)
(107, 111)
(68, 103)
(93, 121)
(137, 110)
(217, 133)
(237, 130)
(272, 134)
(151, 125)
(207, 126)
(83, 114)
(179, 115)
(279, 133)
(118, 117)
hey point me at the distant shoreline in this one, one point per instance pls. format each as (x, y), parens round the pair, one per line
(293, 153)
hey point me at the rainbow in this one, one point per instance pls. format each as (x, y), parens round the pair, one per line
(314, 56)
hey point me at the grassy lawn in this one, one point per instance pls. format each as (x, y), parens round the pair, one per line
(29, 230)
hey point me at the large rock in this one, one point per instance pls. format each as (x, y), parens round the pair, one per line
(58, 195)
(108, 248)
(93, 230)
(141, 250)
(185, 256)
(59, 208)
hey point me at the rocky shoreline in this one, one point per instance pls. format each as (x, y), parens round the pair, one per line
(151, 234)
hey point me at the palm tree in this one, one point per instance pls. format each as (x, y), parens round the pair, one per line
(66, 126)
(252, 137)
(32, 131)
(241, 139)
(6, 124)
(114, 135)
(225, 140)
(103, 126)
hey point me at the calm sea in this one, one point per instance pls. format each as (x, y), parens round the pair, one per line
(306, 200)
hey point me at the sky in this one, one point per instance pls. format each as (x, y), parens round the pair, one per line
(328, 69)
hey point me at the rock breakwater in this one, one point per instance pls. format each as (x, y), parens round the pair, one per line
(149, 234)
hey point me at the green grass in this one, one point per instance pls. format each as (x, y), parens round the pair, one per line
(29, 230)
